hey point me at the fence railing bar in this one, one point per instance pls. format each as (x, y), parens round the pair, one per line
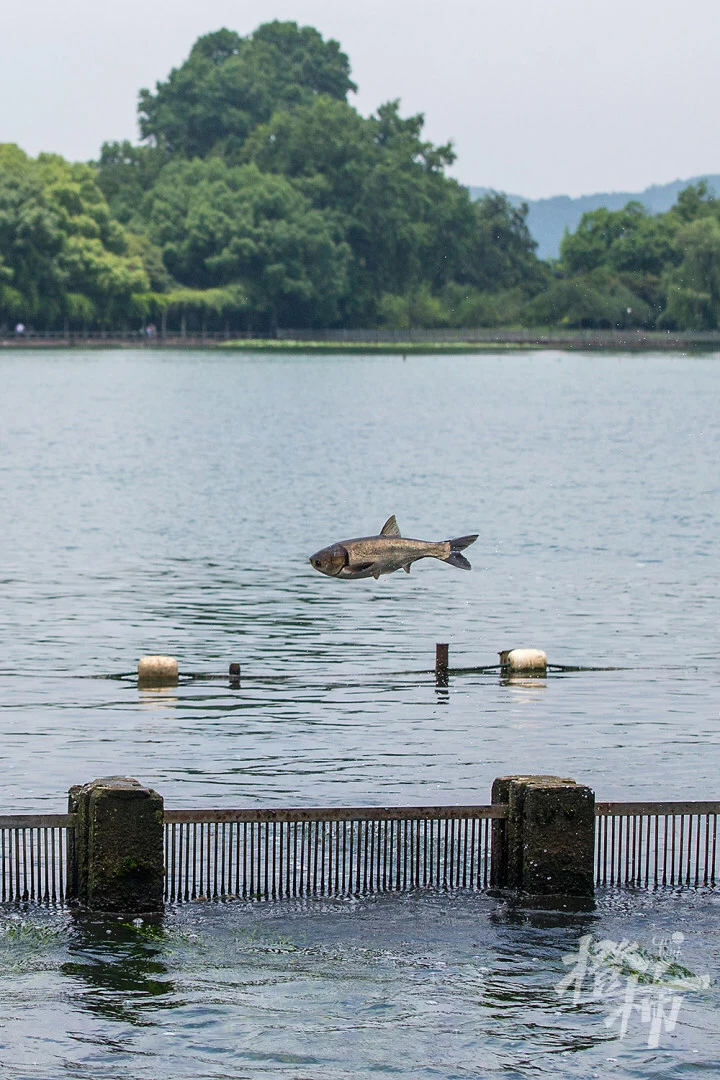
(623, 809)
(342, 813)
(38, 821)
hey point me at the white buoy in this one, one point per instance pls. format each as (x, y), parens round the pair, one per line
(157, 671)
(523, 660)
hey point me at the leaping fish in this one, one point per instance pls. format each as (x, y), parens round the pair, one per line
(371, 556)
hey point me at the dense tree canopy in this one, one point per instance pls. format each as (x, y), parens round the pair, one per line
(258, 175)
(222, 225)
(259, 196)
(662, 268)
(62, 255)
(229, 84)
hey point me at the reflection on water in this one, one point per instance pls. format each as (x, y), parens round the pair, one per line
(525, 682)
(602, 553)
(159, 700)
(422, 986)
(117, 968)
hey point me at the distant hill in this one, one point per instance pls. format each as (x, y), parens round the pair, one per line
(548, 218)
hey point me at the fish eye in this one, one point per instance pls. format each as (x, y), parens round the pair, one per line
(317, 563)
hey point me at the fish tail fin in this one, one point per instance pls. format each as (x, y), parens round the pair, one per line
(456, 546)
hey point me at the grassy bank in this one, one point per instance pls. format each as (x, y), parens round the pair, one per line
(402, 347)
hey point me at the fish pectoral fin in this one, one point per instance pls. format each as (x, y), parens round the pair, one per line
(376, 573)
(390, 528)
(360, 566)
(406, 567)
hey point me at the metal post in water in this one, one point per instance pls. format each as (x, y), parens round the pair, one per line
(442, 659)
(234, 675)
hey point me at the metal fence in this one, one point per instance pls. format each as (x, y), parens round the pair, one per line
(269, 854)
(34, 857)
(273, 854)
(655, 844)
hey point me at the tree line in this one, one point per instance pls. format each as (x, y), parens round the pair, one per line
(259, 197)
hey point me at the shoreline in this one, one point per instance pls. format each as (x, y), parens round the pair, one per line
(382, 341)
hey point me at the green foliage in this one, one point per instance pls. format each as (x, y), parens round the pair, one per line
(694, 202)
(260, 197)
(406, 223)
(124, 174)
(221, 225)
(503, 255)
(473, 307)
(229, 85)
(663, 267)
(693, 288)
(67, 256)
(597, 299)
(420, 308)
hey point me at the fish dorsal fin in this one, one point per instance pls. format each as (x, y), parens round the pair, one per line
(390, 528)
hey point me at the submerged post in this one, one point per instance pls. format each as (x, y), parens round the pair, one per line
(442, 661)
(118, 846)
(546, 846)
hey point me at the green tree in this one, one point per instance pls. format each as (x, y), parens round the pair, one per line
(220, 225)
(590, 246)
(503, 251)
(230, 84)
(125, 173)
(695, 201)
(596, 300)
(68, 257)
(410, 228)
(693, 288)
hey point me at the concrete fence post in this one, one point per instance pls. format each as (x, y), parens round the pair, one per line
(116, 856)
(546, 846)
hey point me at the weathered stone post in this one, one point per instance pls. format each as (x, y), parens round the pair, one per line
(118, 846)
(546, 846)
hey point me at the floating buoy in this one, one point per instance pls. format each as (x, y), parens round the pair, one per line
(523, 660)
(157, 671)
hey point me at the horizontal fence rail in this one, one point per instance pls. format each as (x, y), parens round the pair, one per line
(271, 854)
(34, 857)
(655, 844)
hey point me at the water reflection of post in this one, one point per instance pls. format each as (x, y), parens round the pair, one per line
(525, 682)
(158, 699)
(121, 964)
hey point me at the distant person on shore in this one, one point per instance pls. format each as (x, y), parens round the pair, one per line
(150, 330)
(20, 328)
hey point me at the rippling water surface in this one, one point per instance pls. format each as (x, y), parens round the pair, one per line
(167, 502)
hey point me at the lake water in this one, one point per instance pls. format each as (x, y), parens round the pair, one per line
(168, 502)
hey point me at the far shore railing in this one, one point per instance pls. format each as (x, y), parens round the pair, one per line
(630, 337)
(278, 853)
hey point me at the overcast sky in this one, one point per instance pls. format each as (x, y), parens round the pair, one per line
(540, 97)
